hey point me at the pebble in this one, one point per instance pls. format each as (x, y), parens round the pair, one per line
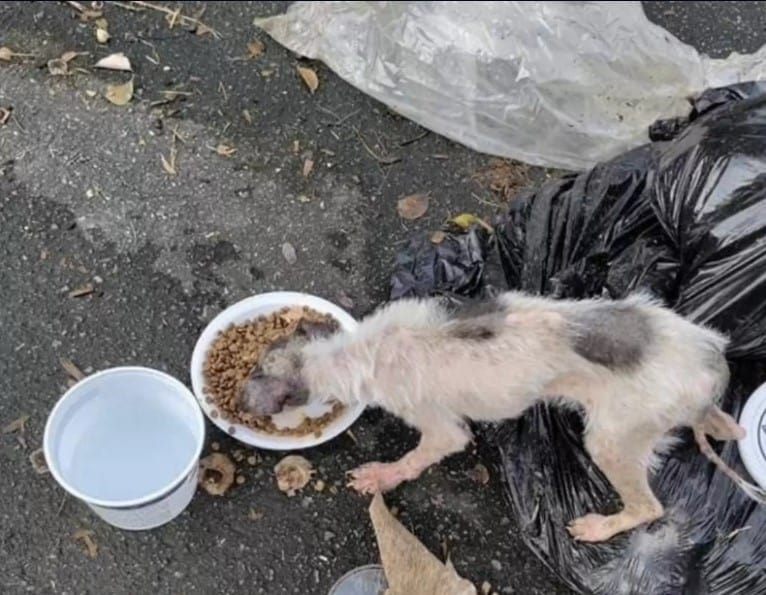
(288, 251)
(496, 565)
(329, 535)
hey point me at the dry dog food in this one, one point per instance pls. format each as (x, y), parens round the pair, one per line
(235, 352)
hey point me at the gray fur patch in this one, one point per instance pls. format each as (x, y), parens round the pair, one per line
(612, 335)
(477, 321)
(478, 309)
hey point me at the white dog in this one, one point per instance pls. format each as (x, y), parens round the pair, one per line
(637, 371)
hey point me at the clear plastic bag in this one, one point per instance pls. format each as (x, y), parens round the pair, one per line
(685, 218)
(557, 84)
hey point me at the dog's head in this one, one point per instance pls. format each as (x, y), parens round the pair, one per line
(276, 381)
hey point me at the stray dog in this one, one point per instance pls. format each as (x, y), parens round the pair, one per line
(636, 369)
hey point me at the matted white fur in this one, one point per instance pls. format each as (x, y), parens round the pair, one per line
(420, 362)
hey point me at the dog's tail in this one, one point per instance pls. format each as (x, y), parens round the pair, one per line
(753, 491)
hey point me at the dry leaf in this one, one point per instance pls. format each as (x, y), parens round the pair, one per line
(102, 35)
(17, 425)
(86, 289)
(466, 220)
(225, 150)
(308, 165)
(203, 29)
(57, 67)
(413, 206)
(118, 61)
(86, 536)
(120, 94)
(255, 48)
(504, 177)
(288, 251)
(216, 473)
(69, 56)
(169, 166)
(309, 77)
(39, 464)
(60, 66)
(254, 516)
(293, 474)
(438, 237)
(90, 15)
(7, 54)
(5, 115)
(410, 567)
(480, 474)
(71, 368)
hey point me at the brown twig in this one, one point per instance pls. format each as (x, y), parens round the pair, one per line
(382, 159)
(127, 6)
(414, 139)
(175, 15)
(76, 5)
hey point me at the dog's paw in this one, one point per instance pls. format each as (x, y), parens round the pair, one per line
(592, 528)
(375, 477)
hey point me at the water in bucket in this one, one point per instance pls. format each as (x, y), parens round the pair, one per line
(124, 439)
(125, 448)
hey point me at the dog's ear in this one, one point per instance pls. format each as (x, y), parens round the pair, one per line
(315, 330)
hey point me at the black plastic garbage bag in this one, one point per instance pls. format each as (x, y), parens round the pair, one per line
(684, 217)
(452, 266)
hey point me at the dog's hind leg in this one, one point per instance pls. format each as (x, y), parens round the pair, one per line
(625, 463)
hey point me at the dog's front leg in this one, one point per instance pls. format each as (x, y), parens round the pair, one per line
(438, 439)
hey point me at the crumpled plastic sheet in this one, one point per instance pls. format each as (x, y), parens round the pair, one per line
(452, 267)
(557, 84)
(686, 219)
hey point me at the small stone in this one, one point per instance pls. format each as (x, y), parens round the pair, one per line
(215, 446)
(240, 479)
(496, 565)
(485, 588)
(252, 460)
(329, 535)
(288, 251)
(319, 485)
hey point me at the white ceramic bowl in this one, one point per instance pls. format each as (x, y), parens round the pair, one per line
(248, 309)
(752, 448)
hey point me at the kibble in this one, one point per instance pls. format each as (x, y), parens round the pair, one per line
(235, 352)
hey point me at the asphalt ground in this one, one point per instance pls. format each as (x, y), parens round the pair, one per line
(84, 199)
